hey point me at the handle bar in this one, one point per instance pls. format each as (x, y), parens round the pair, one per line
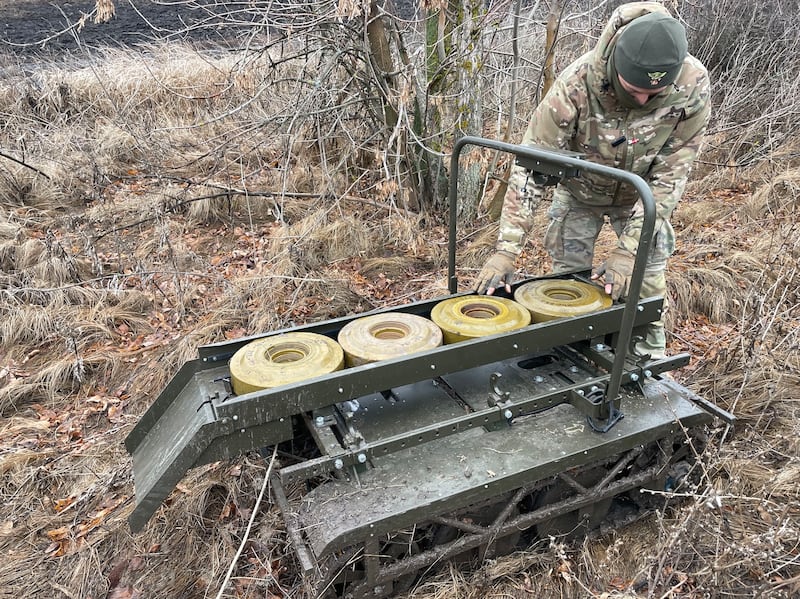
(551, 158)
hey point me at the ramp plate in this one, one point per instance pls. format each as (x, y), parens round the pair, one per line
(414, 484)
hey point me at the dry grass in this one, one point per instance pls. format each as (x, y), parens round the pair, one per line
(148, 239)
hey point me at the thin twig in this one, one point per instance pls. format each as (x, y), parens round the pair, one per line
(249, 524)
(26, 165)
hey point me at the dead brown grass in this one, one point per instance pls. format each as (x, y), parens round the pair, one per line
(155, 247)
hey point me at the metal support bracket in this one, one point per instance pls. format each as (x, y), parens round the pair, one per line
(589, 401)
(547, 172)
(496, 395)
(614, 416)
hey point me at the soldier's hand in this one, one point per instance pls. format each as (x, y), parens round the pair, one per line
(498, 271)
(618, 269)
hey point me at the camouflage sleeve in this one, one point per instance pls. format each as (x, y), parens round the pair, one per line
(552, 126)
(670, 170)
(519, 204)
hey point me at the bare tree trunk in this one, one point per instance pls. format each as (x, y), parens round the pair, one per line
(551, 36)
(439, 25)
(454, 61)
(383, 63)
(470, 102)
(495, 207)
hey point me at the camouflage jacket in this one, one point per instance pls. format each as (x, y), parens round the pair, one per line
(585, 112)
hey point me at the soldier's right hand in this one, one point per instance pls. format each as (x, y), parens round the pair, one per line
(618, 271)
(497, 272)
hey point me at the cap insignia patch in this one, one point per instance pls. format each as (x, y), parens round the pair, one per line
(656, 77)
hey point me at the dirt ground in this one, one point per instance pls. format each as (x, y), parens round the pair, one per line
(39, 27)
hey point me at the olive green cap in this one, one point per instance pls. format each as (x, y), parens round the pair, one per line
(650, 51)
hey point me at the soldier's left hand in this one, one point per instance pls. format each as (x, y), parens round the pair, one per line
(618, 269)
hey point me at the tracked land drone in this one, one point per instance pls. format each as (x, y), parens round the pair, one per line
(482, 426)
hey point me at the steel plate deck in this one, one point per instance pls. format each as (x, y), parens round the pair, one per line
(438, 477)
(436, 400)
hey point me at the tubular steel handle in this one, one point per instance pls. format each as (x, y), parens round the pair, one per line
(553, 158)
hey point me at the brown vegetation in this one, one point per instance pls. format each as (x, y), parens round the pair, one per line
(156, 200)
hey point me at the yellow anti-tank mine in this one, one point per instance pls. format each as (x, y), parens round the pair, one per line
(282, 360)
(559, 298)
(473, 316)
(385, 336)
(404, 460)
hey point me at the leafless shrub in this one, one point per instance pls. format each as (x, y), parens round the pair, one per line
(748, 50)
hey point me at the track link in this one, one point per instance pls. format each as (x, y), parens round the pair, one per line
(382, 567)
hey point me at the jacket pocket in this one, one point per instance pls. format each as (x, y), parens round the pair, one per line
(554, 235)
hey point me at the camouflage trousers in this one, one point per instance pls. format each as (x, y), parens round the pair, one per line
(570, 241)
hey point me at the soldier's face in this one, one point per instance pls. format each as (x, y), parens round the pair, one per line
(639, 94)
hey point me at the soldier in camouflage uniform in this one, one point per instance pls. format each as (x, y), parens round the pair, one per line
(638, 102)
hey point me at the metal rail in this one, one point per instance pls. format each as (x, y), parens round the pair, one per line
(550, 158)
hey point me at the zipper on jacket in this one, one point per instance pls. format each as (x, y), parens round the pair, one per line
(623, 131)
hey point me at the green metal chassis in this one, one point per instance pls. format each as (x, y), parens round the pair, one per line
(196, 419)
(424, 412)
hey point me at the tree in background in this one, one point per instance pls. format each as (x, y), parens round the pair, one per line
(381, 92)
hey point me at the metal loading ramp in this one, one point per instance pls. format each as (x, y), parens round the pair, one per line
(176, 436)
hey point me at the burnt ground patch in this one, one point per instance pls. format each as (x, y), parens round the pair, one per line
(40, 27)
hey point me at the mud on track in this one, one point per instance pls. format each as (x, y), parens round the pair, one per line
(30, 28)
